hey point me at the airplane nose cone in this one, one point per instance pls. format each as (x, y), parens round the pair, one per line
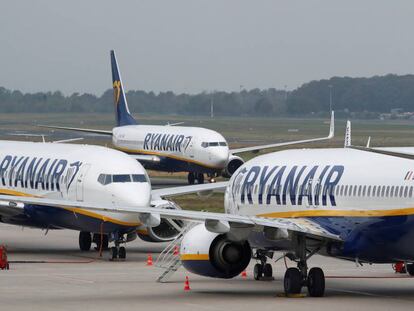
(221, 157)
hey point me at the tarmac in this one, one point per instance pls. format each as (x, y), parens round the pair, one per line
(48, 272)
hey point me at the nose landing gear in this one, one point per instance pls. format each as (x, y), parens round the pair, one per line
(263, 270)
(118, 252)
(296, 278)
(192, 177)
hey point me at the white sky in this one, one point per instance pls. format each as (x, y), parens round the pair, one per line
(192, 45)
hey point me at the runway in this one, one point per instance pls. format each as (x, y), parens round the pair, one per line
(50, 273)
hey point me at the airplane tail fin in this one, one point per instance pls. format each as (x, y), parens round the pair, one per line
(123, 116)
(348, 141)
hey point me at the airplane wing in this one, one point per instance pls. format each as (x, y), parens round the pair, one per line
(91, 131)
(145, 157)
(174, 191)
(257, 148)
(163, 209)
(402, 152)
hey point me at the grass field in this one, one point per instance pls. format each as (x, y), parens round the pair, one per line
(238, 131)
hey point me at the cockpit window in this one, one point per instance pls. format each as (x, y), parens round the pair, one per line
(213, 144)
(121, 178)
(106, 179)
(139, 178)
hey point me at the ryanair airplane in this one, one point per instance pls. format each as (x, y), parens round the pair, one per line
(81, 174)
(353, 203)
(171, 148)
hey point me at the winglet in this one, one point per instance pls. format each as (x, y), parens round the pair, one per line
(123, 116)
(369, 142)
(332, 125)
(347, 142)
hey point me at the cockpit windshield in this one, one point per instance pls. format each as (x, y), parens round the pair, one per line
(213, 144)
(106, 179)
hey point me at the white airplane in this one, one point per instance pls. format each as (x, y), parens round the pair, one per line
(169, 148)
(82, 174)
(346, 203)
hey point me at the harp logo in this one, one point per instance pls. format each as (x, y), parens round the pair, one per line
(117, 91)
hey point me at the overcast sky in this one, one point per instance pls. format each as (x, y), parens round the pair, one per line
(192, 46)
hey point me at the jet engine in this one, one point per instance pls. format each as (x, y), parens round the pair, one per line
(233, 164)
(212, 254)
(166, 231)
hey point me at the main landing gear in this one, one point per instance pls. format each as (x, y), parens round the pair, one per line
(296, 278)
(86, 239)
(193, 177)
(262, 270)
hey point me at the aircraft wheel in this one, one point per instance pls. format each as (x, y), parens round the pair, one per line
(85, 241)
(122, 253)
(200, 178)
(191, 178)
(292, 281)
(114, 253)
(97, 240)
(267, 270)
(410, 268)
(257, 271)
(316, 282)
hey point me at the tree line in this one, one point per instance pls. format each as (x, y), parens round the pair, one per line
(376, 95)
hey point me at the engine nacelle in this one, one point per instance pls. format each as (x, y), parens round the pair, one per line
(212, 254)
(233, 164)
(166, 231)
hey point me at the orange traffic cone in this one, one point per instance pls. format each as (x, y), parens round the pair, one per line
(176, 251)
(187, 284)
(244, 274)
(149, 260)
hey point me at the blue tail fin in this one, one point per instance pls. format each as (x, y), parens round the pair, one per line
(123, 116)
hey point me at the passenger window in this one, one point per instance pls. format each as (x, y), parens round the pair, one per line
(355, 191)
(363, 190)
(388, 191)
(359, 191)
(401, 191)
(346, 190)
(411, 192)
(392, 191)
(405, 191)
(369, 191)
(204, 144)
(378, 191)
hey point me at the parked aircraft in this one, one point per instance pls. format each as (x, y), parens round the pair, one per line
(82, 174)
(171, 148)
(347, 203)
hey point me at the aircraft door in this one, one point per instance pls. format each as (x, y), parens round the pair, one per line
(80, 182)
(188, 147)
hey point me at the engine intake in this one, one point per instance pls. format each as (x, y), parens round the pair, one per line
(214, 255)
(232, 165)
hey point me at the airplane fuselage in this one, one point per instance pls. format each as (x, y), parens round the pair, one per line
(365, 198)
(178, 148)
(72, 173)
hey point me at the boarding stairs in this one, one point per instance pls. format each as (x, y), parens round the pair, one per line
(169, 261)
